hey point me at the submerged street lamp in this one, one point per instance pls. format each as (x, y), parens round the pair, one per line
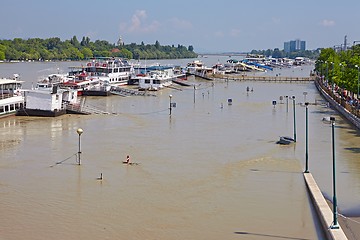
(293, 98)
(306, 141)
(335, 224)
(170, 105)
(79, 132)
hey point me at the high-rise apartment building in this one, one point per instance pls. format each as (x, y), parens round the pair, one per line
(294, 45)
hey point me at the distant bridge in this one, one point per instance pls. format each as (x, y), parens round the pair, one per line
(223, 54)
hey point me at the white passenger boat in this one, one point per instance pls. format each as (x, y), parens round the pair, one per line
(156, 78)
(81, 82)
(11, 95)
(51, 80)
(115, 71)
(197, 67)
(99, 75)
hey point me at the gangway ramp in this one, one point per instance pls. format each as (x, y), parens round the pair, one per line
(125, 92)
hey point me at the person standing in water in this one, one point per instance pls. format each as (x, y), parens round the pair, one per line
(127, 159)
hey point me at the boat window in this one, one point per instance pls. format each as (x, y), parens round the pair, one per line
(147, 81)
(6, 108)
(156, 81)
(1, 109)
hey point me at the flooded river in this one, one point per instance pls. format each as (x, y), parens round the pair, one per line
(208, 171)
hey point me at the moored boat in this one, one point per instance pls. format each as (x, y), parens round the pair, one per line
(11, 95)
(98, 76)
(51, 101)
(156, 77)
(198, 68)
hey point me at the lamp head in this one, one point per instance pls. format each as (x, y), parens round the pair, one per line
(79, 131)
(307, 104)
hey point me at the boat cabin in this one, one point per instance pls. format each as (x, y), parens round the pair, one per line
(11, 96)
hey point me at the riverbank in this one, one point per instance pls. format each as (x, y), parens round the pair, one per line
(351, 113)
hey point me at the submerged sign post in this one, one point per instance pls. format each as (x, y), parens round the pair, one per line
(171, 104)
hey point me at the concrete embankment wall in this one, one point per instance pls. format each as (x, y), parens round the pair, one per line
(323, 210)
(350, 117)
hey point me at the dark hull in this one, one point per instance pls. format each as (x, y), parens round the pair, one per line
(40, 113)
(95, 93)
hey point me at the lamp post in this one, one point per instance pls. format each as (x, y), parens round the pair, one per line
(335, 222)
(327, 73)
(306, 141)
(305, 93)
(293, 97)
(357, 82)
(332, 78)
(170, 106)
(341, 80)
(321, 69)
(287, 104)
(79, 132)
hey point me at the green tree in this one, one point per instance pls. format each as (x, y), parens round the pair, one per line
(52, 43)
(75, 42)
(2, 52)
(157, 44)
(85, 41)
(87, 53)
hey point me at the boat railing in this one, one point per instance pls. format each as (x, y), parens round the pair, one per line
(5, 95)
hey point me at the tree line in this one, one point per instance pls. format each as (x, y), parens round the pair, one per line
(277, 53)
(340, 67)
(73, 49)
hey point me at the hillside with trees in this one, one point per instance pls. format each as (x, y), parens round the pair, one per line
(54, 49)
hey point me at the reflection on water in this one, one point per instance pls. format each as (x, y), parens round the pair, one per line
(210, 171)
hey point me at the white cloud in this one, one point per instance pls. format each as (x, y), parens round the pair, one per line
(327, 23)
(181, 24)
(235, 32)
(138, 24)
(275, 20)
(219, 34)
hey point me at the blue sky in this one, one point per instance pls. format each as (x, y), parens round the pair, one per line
(209, 26)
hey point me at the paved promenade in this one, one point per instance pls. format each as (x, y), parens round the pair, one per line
(351, 116)
(237, 77)
(323, 210)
